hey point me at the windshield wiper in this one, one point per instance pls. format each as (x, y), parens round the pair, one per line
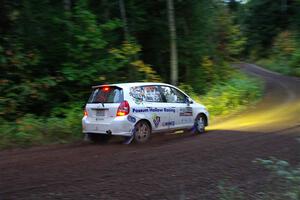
(102, 104)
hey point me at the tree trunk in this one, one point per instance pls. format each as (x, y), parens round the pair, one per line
(173, 45)
(106, 10)
(67, 5)
(131, 69)
(124, 19)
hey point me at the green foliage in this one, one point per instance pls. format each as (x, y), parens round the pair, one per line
(229, 192)
(228, 96)
(63, 126)
(232, 41)
(87, 55)
(284, 44)
(295, 63)
(136, 70)
(207, 37)
(263, 20)
(274, 65)
(16, 86)
(285, 57)
(288, 175)
(188, 89)
(233, 94)
(51, 55)
(146, 72)
(237, 41)
(285, 183)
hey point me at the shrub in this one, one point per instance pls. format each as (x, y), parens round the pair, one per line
(285, 57)
(229, 192)
(228, 96)
(295, 63)
(289, 176)
(232, 95)
(33, 130)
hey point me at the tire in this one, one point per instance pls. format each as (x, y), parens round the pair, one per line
(142, 132)
(98, 138)
(200, 124)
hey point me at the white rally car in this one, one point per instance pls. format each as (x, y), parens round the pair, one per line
(135, 110)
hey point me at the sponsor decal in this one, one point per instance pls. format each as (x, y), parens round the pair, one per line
(145, 93)
(131, 119)
(170, 123)
(137, 94)
(169, 110)
(141, 110)
(155, 110)
(138, 101)
(156, 120)
(188, 111)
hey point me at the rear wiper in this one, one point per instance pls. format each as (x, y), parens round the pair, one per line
(102, 104)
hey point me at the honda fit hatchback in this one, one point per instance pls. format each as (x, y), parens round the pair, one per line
(136, 110)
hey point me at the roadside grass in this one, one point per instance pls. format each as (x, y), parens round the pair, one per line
(281, 66)
(64, 123)
(229, 192)
(284, 182)
(63, 126)
(229, 97)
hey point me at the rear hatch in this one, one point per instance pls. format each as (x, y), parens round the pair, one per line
(103, 103)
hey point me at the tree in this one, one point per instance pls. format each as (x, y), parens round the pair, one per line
(173, 45)
(262, 20)
(124, 19)
(67, 5)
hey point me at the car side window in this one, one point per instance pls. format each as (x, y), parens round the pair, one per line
(152, 94)
(172, 95)
(146, 93)
(180, 97)
(167, 92)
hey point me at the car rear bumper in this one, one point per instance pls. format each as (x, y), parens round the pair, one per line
(118, 126)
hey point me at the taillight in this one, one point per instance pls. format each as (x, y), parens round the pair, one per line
(85, 113)
(123, 109)
(106, 89)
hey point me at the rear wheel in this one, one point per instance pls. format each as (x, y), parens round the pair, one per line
(142, 132)
(200, 124)
(98, 138)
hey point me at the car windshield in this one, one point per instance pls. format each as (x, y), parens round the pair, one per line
(106, 94)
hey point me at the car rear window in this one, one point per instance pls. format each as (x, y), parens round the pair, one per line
(107, 94)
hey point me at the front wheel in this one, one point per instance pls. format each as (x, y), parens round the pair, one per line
(200, 124)
(142, 132)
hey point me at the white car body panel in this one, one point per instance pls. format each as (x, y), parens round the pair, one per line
(162, 116)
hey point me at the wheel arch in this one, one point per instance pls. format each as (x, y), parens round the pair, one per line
(147, 121)
(205, 117)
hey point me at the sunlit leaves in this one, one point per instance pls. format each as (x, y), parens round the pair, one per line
(147, 72)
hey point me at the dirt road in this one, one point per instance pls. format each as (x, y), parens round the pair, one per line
(169, 166)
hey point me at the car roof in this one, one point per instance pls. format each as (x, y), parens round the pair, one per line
(122, 85)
